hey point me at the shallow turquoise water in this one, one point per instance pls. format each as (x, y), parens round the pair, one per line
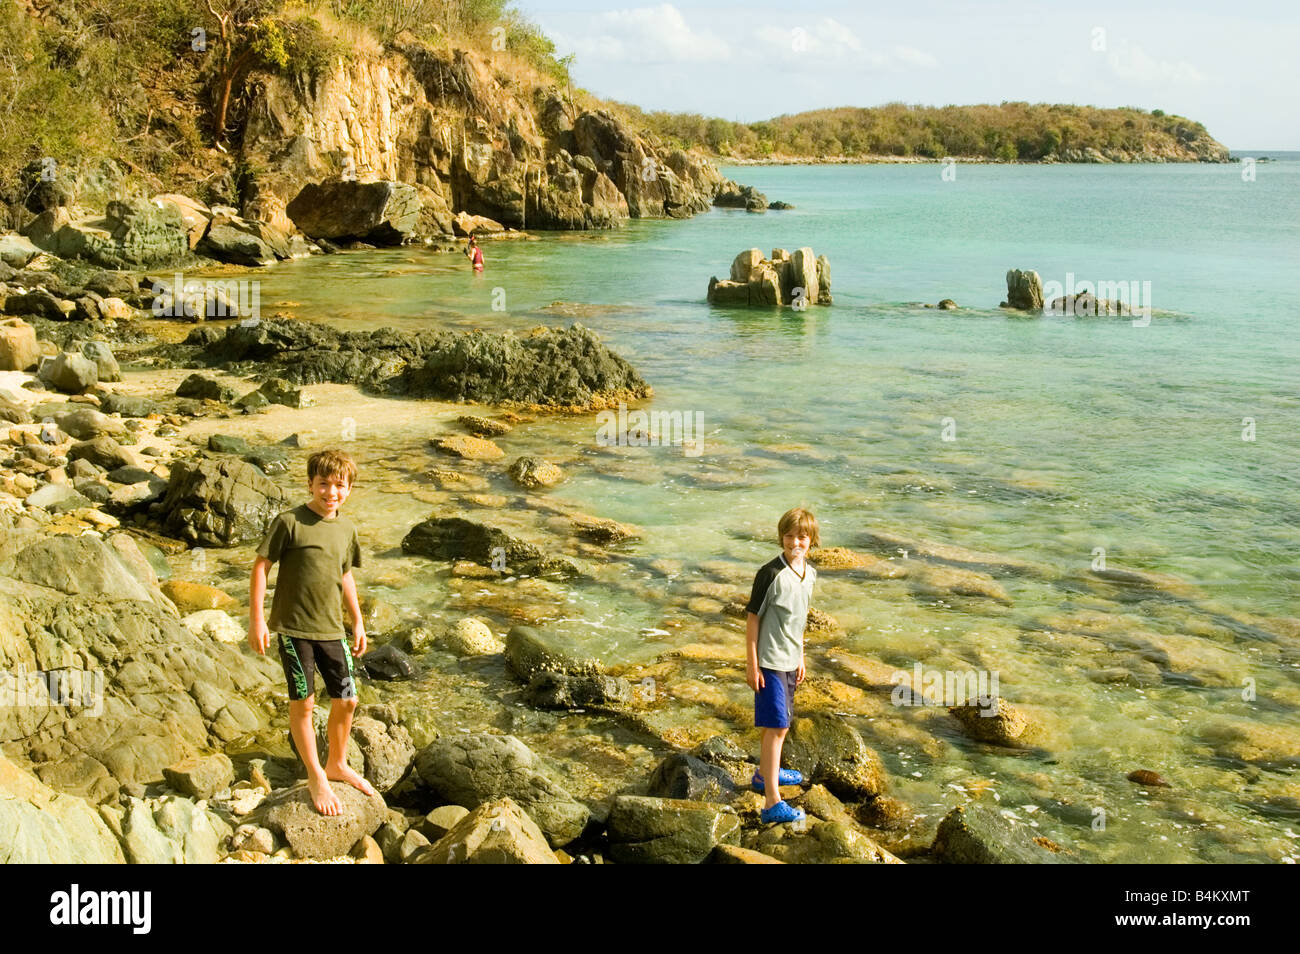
(1070, 435)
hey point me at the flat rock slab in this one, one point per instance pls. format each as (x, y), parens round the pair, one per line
(291, 815)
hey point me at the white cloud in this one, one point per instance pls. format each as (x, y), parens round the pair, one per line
(1129, 62)
(828, 43)
(914, 57)
(645, 35)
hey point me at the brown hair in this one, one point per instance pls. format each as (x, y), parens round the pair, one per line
(331, 463)
(801, 521)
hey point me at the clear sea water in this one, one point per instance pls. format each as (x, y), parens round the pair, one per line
(1172, 447)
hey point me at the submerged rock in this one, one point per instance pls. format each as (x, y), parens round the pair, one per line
(1003, 726)
(530, 651)
(973, 835)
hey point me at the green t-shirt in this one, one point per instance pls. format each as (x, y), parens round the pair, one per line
(313, 554)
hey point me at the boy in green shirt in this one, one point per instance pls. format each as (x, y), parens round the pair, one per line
(316, 549)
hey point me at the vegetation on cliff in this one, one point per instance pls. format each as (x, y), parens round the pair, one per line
(1010, 131)
(145, 89)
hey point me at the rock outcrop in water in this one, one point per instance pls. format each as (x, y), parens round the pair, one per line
(550, 367)
(1024, 291)
(788, 278)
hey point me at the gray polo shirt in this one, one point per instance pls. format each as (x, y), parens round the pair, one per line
(780, 600)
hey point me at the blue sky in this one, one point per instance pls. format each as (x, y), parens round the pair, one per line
(1233, 66)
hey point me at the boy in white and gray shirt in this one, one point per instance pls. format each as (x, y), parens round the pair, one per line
(775, 618)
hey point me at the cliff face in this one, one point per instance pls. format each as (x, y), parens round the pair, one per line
(470, 138)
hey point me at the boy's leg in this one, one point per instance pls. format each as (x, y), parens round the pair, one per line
(299, 669)
(304, 737)
(336, 668)
(769, 764)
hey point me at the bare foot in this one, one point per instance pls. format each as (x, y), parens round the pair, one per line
(323, 797)
(346, 773)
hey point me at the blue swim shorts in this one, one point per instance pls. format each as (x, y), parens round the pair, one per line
(774, 703)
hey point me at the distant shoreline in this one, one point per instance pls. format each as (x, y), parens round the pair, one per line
(926, 160)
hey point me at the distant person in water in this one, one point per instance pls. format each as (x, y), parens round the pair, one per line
(774, 623)
(474, 254)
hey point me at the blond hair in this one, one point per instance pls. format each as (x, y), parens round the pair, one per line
(801, 522)
(331, 463)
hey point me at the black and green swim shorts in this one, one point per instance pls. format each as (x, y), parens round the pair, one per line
(302, 657)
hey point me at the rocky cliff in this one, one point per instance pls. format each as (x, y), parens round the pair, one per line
(469, 137)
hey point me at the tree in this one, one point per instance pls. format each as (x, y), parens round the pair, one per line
(242, 28)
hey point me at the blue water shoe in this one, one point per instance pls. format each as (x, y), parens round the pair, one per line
(786, 777)
(781, 812)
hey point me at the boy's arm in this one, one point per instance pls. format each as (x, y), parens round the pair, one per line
(258, 636)
(752, 674)
(354, 607)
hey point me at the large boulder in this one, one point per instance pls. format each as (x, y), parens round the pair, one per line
(1024, 290)
(472, 769)
(220, 503)
(132, 233)
(384, 213)
(645, 830)
(142, 692)
(556, 690)
(386, 751)
(498, 832)
(290, 814)
(18, 348)
(684, 776)
(42, 826)
(106, 366)
(555, 367)
(79, 420)
(69, 372)
(40, 302)
(239, 242)
(16, 250)
(830, 752)
(167, 831)
(194, 214)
